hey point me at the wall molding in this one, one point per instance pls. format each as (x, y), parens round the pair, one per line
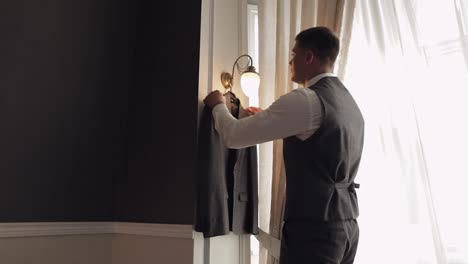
(159, 230)
(35, 229)
(54, 229)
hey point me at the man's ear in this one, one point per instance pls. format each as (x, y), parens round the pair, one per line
(309, 56)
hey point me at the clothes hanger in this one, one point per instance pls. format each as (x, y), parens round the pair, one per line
(232, 96)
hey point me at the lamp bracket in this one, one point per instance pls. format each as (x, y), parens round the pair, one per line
(227, 79)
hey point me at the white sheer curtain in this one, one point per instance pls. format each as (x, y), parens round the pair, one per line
(279, 23)
(407, 68)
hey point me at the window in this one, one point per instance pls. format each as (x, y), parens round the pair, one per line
(252, 29)
(407, 68)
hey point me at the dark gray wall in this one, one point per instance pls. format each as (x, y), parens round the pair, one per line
(88, 128)
(163, 114)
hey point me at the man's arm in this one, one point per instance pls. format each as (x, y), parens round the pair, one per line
(289, 115)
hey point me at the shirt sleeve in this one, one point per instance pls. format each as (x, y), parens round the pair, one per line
(289, 115)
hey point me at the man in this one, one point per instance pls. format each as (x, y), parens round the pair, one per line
(323, 131)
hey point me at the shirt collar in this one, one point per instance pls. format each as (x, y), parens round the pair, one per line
(318, 78)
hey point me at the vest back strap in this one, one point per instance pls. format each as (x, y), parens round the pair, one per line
(347, 185)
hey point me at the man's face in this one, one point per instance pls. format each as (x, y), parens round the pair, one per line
(298, 64)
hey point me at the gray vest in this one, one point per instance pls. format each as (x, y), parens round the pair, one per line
(320, 171)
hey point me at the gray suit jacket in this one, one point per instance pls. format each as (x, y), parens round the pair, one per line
(226, 196)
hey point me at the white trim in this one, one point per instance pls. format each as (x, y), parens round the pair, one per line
(244, 249)
(205, 76)
(198, 248)
(252, 33)
(243, 27)
(54, 229)
(159, 230)
(93, 228)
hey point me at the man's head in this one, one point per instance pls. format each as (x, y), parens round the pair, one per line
(315, 52)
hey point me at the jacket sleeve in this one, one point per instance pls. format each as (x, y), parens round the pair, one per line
(211, 210)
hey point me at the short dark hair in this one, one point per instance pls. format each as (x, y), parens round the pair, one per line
(322, 41)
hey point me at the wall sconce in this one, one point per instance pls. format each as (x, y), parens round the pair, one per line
(249, 80)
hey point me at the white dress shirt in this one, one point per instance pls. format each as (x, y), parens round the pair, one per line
(298, 113)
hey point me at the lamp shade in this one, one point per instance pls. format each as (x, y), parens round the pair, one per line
(250, 82)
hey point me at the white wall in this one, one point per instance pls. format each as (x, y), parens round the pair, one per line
(223, 39)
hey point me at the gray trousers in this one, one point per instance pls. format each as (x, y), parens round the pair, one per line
(311, 242)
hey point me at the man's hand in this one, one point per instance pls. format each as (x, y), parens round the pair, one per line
(213, 99)
(252, 110)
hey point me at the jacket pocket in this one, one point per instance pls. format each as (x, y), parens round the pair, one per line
(243, 197)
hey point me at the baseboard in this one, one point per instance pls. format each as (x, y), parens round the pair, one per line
(9, 230)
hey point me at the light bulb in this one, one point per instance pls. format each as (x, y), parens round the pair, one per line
(250, 82)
